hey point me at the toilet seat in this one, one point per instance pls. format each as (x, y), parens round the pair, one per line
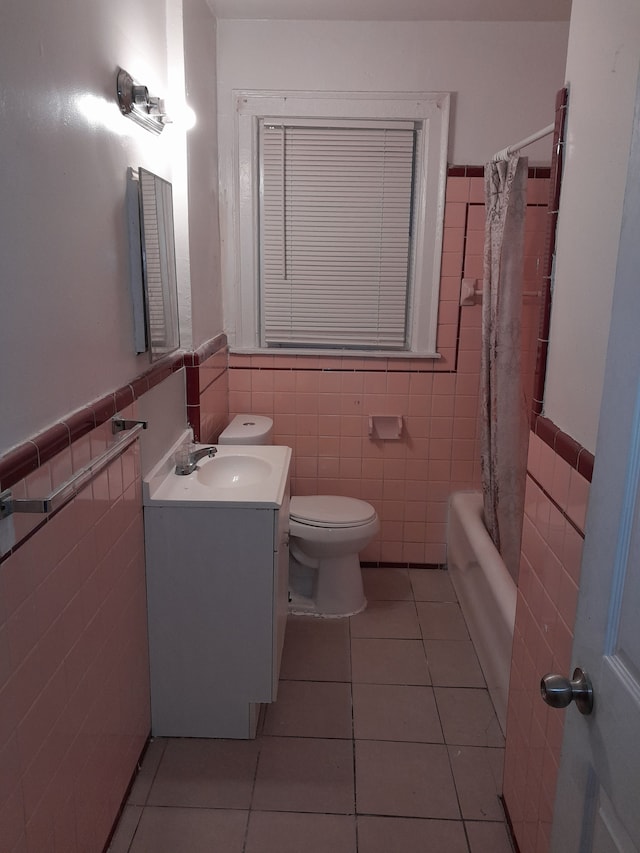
(330, 511)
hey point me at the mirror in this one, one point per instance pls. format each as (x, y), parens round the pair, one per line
(153, 263)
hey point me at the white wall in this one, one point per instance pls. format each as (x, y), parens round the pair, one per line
(66, 319)
(202, 152)
(503, 76)
(602, 70)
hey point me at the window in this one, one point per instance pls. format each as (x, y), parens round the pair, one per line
(340, 222)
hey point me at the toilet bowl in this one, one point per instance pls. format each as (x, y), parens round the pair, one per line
(327, 532)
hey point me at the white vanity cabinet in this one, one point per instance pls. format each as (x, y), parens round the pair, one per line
(217, 587)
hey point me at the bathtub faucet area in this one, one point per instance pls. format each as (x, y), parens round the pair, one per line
(187, 460)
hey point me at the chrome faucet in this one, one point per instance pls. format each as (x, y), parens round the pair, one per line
(193, 457)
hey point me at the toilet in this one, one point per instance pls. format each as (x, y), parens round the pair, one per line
(327, 533)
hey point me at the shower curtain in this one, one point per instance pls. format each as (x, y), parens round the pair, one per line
(504, 428)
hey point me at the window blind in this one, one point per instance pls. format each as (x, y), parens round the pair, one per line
(335, 227)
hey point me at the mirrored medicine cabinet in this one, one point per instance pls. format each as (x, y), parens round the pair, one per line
(152, 263)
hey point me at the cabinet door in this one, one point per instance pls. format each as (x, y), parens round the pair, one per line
(210, 575)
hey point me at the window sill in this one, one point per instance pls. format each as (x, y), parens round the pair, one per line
(390, 355)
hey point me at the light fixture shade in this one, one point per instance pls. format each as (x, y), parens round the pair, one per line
(136, 103)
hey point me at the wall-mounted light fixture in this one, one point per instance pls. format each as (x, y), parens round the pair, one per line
(136, 103)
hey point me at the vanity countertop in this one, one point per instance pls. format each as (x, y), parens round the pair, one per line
(238, 475)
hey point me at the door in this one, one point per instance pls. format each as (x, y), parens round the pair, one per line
(598, 801)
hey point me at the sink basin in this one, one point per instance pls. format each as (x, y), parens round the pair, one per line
(233, 472)
(243, 475)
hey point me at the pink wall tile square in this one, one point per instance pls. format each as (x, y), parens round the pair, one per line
(328, 445)
(371, 490)
(457, 189)
(578, 499)
(476, 218)
(239, 380)
(571, 555)
(352, 383)
(284, 403)
(451, 264)
(470, 339)
(351, 468)
(450, 289)
(448, 313)
(567, 600)
(475, 244)
(465, 427)
(284, 380)
(444, 384)
(350, 404)
(375, 383)
(307, 403)
(439, 469)
(415, 511)
(261, 402)
(476, 191)
(306, 424)
(435, 552)
(350, 446)
(398, 383)
(393, 490)
(328, 467)
(455, 214)
(329, 404)
(372, 468)
(446, 344)
(469, 362)
(354, 425)
(262, 380)
(414, 552)
(562, 646)
(307, 382)
(261, 361)
(305, 466)
(453, 240)
(239, 401)
(326, 382)
(466, 385)
(329, 424)
(307, 445)
(463, 475)
(536, 219)
(473, 266)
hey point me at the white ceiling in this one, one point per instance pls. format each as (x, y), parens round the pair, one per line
(394, 10)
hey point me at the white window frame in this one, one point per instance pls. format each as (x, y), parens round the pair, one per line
(432, 111)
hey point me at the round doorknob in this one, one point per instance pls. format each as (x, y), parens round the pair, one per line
(559, 692)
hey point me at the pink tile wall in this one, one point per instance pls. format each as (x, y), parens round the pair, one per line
(553, 535)
(74, 695)
(322, 413)
(320, 406)
(213, 397)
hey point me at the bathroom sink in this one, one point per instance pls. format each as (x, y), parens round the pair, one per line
(238, 475)
(233, 472)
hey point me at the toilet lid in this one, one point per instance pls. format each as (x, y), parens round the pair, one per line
(330, 511)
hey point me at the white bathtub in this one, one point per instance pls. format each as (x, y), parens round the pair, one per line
(486, 592)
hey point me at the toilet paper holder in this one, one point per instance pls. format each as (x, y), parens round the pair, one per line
(386, 427)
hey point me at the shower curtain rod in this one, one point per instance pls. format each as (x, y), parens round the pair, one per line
(511, 149)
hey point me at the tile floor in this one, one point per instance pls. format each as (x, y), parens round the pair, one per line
(383, 740)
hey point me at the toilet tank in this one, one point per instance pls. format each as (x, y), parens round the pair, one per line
(248, 429)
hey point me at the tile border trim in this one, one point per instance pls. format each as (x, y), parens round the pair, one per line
(478, 171)
(574, 454)
(27, 457)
